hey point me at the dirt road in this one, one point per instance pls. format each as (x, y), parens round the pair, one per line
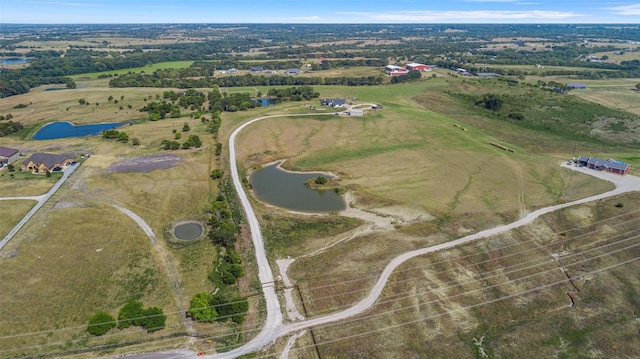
(274, 327)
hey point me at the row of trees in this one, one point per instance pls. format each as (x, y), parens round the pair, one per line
(9, 127)
(293, 93)
(132, 313)
(191, 142)
(115, 134)
(207, 307)
(411, 76)
(155, 80)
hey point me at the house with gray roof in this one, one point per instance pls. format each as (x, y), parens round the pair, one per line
(576, 86)
(608, 165)
(8, 155)
(43, 162)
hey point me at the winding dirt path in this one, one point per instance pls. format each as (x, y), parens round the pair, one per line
(174, 278)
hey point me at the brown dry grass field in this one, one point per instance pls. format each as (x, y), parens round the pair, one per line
(72, 263)
(507, 296)
(83, 208)
(25, 185)
(12, 213)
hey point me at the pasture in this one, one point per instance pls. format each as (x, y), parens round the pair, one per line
(505, 296)
(12, 213)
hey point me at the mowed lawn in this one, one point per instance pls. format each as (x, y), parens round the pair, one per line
(78, 261)
(12, 212)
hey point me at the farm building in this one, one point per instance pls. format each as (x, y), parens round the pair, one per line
(8, 155)
(42, 162)
(356, 112)
(257, 69)
(333, 102)
(418, 67)
(292, 71)
(609, 165)
(576, 86)
(395, 70)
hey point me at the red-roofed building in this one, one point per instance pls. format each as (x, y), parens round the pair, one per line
(418, 67)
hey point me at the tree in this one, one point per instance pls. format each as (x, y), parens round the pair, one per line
(130, 314)
(186, 127)
(82, 101)
(135, 141)
(153, 319)
(100, 323)
(321, 180)
(638, 87)
(70, 84)
(217, 173)
(200, 308)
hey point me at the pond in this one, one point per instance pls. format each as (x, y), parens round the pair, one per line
(285, 189)
(56, 130)
(188, 231)
(14, 60)
(265, 101)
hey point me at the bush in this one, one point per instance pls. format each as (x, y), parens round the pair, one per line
(200, 308)
(321, 180)
(153, 319)
(100, 323)
(217, 173)
(130, 314)
(620, 205)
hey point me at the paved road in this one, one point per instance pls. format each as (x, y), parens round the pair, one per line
(274, 327)
(41, 201)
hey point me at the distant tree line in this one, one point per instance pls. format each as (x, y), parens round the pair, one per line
(293, 93)
(411, 76)
(155, 80)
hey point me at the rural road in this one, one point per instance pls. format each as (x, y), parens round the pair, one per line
(274, 327)
(41, 200)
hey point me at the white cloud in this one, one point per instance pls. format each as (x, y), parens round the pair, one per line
(626, 9)
(466, 16)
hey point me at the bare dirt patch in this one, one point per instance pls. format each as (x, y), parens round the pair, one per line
(146, 163)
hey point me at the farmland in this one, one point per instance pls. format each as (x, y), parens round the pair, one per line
(419, 170)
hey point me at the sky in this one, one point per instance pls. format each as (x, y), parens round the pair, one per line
(313, 11)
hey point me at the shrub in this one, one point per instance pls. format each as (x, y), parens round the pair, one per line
(100, 323)
(130, 314)
(153, 319)
(321, 180)
(200, 308)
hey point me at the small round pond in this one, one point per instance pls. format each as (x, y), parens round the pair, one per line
(56, 130)
(188, 231)
(287, 189)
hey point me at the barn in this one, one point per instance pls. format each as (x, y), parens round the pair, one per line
(598, 164)
(395, 70)
(418, 67)
(8, 155)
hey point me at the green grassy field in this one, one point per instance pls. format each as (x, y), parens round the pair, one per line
(146, 69)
